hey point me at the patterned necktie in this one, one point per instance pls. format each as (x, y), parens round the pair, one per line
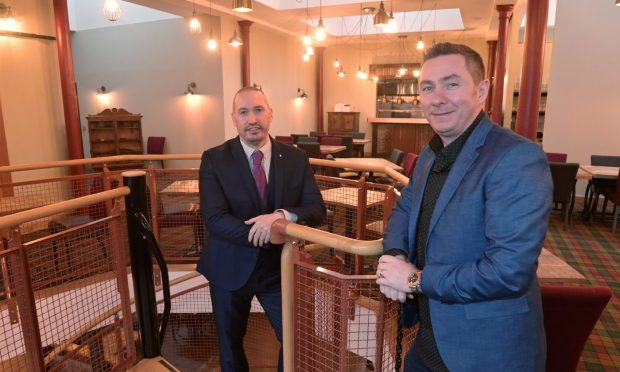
(259, 176)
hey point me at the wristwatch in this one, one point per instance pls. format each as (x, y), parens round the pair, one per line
(414, 282)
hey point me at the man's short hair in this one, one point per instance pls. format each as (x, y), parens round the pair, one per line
(473, 61)
(249, 89)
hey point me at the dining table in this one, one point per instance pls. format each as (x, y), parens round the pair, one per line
(596, 175)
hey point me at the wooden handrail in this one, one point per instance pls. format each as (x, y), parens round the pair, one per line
(49, 210)
(337, 163)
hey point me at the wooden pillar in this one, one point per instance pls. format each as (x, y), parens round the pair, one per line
(500, 68)
(490, 71)
(68, 86)
(244, 29)
(319, 52)
(4, 159)
(532, 69)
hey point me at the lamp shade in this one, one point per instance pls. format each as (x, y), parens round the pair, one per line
(381, 19)
(242, 6)
(235, 40)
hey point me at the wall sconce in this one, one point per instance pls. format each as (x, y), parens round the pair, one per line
(302, 93)
(190, 88)
(111, 10)
(242, 6)
(103, 96)
(5, 12)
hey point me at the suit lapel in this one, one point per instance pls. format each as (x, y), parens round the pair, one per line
(241, 162)
(277, 168)
(469, 153)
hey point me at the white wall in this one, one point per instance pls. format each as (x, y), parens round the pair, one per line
(583, 114)
(146, 68)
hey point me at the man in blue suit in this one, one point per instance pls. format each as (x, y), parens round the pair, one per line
(462, 244)
(245, 185)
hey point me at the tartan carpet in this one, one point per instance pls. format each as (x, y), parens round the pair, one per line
(593, 250)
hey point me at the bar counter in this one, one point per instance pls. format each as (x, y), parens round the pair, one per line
(407, 134)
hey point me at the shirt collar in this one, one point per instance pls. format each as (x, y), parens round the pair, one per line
(445, 156)
(266, 149)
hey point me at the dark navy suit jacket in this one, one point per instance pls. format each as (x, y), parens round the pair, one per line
(485, 235)
(228, 197)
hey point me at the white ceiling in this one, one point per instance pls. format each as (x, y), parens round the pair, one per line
(445, 18)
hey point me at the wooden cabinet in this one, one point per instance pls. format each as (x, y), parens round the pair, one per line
(115, 132)
(343, 122)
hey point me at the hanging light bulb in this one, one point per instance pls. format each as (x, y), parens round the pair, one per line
(336, 63)
(320, 34)
(375, 78)
(111, 10)
(305, 57)
(341, 73)
(392, 25)
(306, 39)
(361, 74)
(402, 71)
(416, 73)
(194, 25)
(211, 44)
(309, 50)
(235, 40)
(420, 44)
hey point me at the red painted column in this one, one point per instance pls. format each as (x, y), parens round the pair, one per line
(319, 52)
(244, 28)
(490, 71)
(500, 68)
(532, 70)
(68, 86)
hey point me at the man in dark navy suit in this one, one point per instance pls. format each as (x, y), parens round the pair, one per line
(245, 185)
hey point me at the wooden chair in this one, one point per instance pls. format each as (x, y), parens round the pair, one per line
(570, 313)
(556, 157)
(155, 146)
(285, 139)
(613, 195)
(564, 181)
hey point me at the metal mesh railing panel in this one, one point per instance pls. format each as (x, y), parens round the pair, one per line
(176, 213)
(76, 293)
(343, 323)
(191, 339)
(12, 342)
(32, 194)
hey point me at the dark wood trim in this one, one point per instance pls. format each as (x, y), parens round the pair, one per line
(26, 35)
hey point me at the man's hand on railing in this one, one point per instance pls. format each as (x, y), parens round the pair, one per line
(392, 274)
(261, 230)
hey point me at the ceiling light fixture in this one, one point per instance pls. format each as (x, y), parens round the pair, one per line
(341, 73)
(381, 19)
(101, 90)
(194, 24)
(420, 44)
(336, 63)
(212, 43)
(392, 25)
(191, 88)
(301, 93)
(361, 74)
(111, 10)
(320, 34)
(242, 6)
(235, 40)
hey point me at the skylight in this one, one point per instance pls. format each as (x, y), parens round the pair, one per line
(424, 21)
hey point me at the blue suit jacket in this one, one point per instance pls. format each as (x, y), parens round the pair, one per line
(228, 197)
(485, 235)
